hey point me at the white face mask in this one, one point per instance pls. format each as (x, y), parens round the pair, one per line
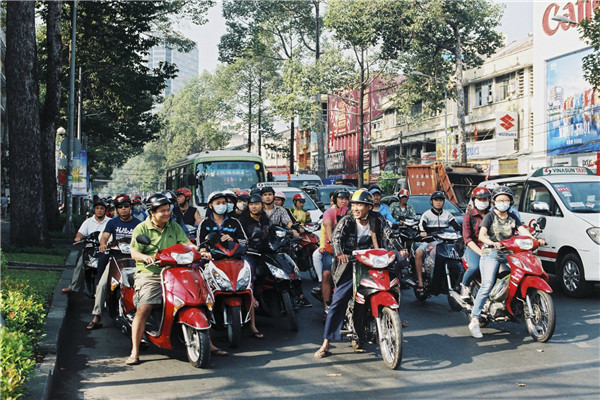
(481, 205)
(137, 208)
(502, 206)
(229, 207)
(220, 209)
(241, 205)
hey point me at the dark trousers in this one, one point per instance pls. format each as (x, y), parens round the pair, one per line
(337, 310)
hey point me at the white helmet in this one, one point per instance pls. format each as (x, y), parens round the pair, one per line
(281, 195)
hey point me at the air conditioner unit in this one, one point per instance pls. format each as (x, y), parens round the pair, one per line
(490, 99)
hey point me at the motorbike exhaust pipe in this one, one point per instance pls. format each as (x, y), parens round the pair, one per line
(456, 296)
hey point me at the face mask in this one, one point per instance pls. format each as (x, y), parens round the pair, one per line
(502, 206)
(481, 205)
(229, 207)
(137, 208)
(220, 209)
(171, 207)
(241, 205)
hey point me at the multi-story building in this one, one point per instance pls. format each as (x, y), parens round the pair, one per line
(187, 63)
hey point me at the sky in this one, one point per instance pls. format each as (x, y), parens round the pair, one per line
(516, 24)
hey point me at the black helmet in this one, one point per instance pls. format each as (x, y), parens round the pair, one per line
(171, 196)
(362, 196)
(156, 200)
(374, 186)
(255, 191)
(503, 190)
(342, 193)
(100, 202)
(267, 189)
(255, 198)
(437, 195)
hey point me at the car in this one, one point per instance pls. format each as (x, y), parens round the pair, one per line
(299, 180)
(421, 203)
(315, 213)
(320, 194)
(569, 198)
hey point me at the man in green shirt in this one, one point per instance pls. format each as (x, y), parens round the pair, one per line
(163, 233)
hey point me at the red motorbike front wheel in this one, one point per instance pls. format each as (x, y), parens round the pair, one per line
(542, 322)
(198, 347)
(390, 338)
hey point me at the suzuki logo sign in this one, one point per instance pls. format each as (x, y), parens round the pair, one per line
(506, 124)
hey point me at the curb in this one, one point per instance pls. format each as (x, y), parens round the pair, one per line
(40, 384)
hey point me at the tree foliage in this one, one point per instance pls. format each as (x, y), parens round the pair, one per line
(590, 32)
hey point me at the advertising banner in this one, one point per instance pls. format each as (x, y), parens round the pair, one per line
(336, 161)
(80, 174)
(382, 156)
(572, 107)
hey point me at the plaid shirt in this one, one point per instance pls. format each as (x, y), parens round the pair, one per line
(470, 229)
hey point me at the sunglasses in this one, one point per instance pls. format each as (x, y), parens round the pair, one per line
(124, 206)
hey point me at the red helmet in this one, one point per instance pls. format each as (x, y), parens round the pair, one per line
(184, 191)
(403, 193)
(243, 195)
(481, 193)
(122, 198)
(298, 197)
(137, 199)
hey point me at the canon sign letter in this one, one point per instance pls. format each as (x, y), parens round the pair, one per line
(576, 12)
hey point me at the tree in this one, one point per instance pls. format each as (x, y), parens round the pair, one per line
(446, 37)
(25, 170)
(589, 30)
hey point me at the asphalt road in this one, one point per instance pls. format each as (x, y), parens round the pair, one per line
(441, 360)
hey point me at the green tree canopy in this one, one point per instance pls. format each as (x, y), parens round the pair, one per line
(590, 32)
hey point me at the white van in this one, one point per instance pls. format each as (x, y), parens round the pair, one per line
(299, 180)
(569, 198)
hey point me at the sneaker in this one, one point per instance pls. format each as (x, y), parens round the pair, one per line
(302, 302)
(465, 292)
(474, 328)
(327, 309)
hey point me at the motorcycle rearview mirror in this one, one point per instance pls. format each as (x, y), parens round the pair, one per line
(213, 237)
(541, 221)
(143, 239)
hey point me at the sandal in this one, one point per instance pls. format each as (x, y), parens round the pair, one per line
(93, 325)
(420, 289)
(322, 353)
(219, 352)
(132, 360)
(404, 324)
(257, 335)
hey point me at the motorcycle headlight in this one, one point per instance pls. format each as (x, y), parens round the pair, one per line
(124, 248)
(183, 258)
(243, 278)
(277, 272)
(524, 244)
(221, 280)
(594, 234)
(380, 261)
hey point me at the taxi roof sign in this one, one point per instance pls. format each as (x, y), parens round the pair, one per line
(548, 171)
(271, 184)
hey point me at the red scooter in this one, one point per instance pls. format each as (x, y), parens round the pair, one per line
(521, 292)
(374, 317)
(309, 242)
(230, 280)
(187, 301)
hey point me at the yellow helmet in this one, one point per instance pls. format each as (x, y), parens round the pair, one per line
(362, 196)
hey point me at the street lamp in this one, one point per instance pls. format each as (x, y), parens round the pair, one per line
(417, 73)
(562, 18)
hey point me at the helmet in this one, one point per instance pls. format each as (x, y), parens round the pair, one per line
(503, 190)
(481, 193)
(122, 198)
(255, 191)
(243, 195)
(184, 191)
(156, 200)
(280, 195)
(137, 199)
(171, 196)
(215, 195)
(374, 189)
(267, 189)
(403, 193)
(437, 195)
(299, 197)
(100, 202)
(255, 198)
(229, 193)
(362, 196)
(343, 193)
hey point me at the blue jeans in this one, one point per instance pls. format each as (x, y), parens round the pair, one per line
(339, 302)
(488, 266)
(473, 264)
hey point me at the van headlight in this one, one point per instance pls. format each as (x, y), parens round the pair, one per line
(594, 234)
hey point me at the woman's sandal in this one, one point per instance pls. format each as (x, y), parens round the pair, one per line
(420, 289)
(132, 360)
(322, 353)
(93, 325)
(257, 335)
(219, 352)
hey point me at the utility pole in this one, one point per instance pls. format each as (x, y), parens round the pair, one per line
(68, 228)
(361, 117)
(320, 128)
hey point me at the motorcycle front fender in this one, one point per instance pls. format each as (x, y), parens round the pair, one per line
(534, 282)
(380, 300)
(193, 317)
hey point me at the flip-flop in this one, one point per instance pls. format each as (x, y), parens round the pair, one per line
(93, 325)
(132, 361)
(404, 324)
(420, 289)
(322, 353)
(219, 353)
(257, 335)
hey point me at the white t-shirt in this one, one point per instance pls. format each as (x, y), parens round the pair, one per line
(362, 231)
(92, 225)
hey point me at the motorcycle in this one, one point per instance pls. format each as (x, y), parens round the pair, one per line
(90, 253)
(187, 301)
(521, 292)
(402, 239)
(230, 280)
(309, 242)
(373, 317)
(277, 276)
(442, 267)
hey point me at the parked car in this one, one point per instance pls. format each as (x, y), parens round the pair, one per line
(299, 180)
(569, 198)
(315, 213)
(320, 194)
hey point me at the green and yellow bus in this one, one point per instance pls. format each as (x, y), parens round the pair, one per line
(206, 172)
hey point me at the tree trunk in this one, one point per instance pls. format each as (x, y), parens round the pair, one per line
(460, 99)
(28, 215)
(361, 120)
(292, 139)
(249, 116)
(259, 121)
(50, 113)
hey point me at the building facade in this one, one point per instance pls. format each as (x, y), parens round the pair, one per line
(187, 63)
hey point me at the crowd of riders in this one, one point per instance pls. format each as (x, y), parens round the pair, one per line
(354, 221)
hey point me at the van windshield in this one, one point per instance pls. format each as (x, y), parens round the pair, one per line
(580, 197)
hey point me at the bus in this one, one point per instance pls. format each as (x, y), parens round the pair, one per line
(206, 172)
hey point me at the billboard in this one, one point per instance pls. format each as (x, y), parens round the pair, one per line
(572, 107)
(80, 176)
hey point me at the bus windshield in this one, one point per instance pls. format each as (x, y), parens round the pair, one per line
(221, 175)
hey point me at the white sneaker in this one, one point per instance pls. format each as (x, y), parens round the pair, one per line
(474, 328)
(465, 292)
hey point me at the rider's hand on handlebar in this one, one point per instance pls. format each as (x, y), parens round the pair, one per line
(542, 242)
(404, 253)
(226, 238)
(296, 234)
(497, 245)
(102, 248)
(148, 259)
(343, 258)
(206, 255)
